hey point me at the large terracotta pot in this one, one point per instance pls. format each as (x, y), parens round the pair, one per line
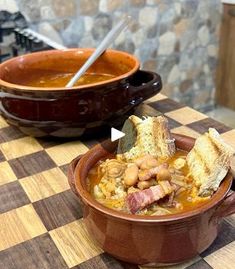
(71, 112)
(150, 240)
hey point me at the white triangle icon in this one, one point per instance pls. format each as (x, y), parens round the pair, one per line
(116, 134)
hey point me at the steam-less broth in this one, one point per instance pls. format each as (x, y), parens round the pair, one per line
(106, 183)
(60, 80)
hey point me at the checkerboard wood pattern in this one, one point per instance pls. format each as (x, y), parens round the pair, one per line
(41, 224)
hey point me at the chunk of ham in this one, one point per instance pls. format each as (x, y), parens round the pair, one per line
(139, 200)
(147, 174)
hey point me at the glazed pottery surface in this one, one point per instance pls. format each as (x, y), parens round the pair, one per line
(150, 240)
(71, 112)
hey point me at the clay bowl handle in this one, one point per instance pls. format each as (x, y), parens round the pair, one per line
(143, 85)
(226, 208)
(183, 142)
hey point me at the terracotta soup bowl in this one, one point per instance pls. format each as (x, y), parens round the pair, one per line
(150, 240)
(71, 112)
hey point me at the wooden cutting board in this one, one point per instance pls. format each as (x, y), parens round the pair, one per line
(41, 224)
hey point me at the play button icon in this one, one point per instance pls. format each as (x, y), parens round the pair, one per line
(116, 134)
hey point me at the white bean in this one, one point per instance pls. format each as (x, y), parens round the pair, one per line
(131, 175)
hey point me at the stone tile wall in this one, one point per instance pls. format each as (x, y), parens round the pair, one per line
(178, 39)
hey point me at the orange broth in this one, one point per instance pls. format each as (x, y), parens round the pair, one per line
(184, 198)
(60, 80)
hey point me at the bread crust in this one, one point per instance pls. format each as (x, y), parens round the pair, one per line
(209, 161)
(148, 136)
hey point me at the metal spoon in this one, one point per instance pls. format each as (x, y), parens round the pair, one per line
(109, 38)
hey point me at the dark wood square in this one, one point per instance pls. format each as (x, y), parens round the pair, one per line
(58, 210)
(37, 253)
(12, 196)
(89, 143)
(2, 157)
(31, 164)
(48, 142)
(226, 235)
(173, 123)
(10, 133)
(144, 110)
(202, 126)
(65, 168)
(166, 105)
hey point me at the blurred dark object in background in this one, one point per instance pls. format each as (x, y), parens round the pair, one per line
(13, 27)
(9, 21)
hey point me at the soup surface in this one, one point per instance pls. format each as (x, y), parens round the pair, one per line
(60, 80)
(169, 183)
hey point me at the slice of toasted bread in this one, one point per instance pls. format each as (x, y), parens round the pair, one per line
(148, 136)
(209, 161)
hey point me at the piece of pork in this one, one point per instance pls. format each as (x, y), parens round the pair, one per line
(147, 174)
(138, 200)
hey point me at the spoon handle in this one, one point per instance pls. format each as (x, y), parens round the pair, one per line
(110, 37)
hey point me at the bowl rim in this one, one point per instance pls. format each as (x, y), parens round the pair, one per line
(55, 89)
(216, 199)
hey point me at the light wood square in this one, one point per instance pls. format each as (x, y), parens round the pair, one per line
(186, 115)
(19, 225)
(156, 97)
(45, 184)
(229, 137)
(6, 173)
(184, 130)
(74, 243)
(222, 258)
(20, 147)
(65, 153)
(231, 220)
(3, 123)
